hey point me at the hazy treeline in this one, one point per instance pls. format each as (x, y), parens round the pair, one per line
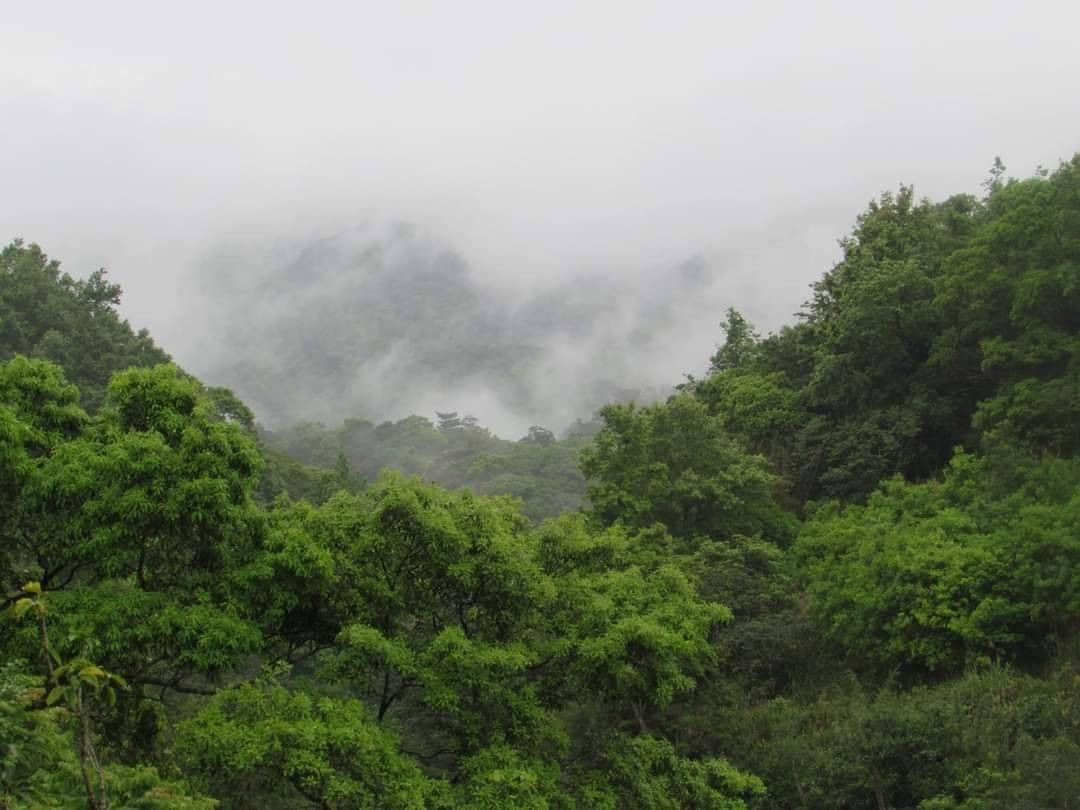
(456, 451)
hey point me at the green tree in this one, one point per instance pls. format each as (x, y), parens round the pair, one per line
(740, 341)
(1012, 298)
(130, 520)
(674, 464)
(647, 772)
(260, 742)
(46, 313)
(936, 575)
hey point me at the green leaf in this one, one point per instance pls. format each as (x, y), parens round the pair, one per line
(21, 606)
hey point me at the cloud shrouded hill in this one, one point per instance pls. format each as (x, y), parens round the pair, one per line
(383, 321)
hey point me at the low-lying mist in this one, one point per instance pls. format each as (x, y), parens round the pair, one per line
(382, 321)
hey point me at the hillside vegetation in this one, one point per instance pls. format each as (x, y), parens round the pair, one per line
(841, 570)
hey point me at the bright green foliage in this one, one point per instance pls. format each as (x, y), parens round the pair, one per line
(33, 744)
(630, 624)
(294, 586)
(464, 630)
(128, 521)
(648, 773)
(935, 574)
(630, 628)
(261, 742)
(38, 411)
(759, 407)
(444, 554)
(128, 627)
(674, 464)
(38, 395)
(141, 787)
(157, 488)
(172, 482)
(499, 777)
(635, 637)
(76, 684)
(447, 597)
(47, 314)
(569, 545)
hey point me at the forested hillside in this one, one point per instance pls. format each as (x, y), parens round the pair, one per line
(457, 451)
(841, 570)
(47, 314)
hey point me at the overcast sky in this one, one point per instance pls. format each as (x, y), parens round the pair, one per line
(540, 138)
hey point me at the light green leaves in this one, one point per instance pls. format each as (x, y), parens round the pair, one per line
(936, 574)
(328, 750)
(675, 464)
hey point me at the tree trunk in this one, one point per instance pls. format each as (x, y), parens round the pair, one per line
(879, 791)
(88, 761)
(799, 789)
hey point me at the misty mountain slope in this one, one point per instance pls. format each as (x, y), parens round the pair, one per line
(383, 321)
(363, 320)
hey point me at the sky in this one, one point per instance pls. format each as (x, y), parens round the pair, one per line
(544, 141)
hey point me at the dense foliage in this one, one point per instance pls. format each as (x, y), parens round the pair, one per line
(943, 325)
(422, 645)
(838, 572)
(46, 313)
